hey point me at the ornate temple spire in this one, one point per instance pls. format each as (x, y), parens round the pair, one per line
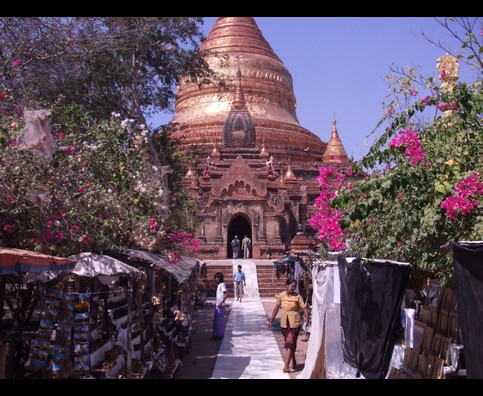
(335, 152)
(289, 175)
(239, 98)
(215, 153)
(263, 151)
(189, 179)
(239, 129)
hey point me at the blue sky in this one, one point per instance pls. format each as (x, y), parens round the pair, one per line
(338, 66)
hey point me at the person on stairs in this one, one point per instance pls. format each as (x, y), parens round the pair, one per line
(235, 246)
(246, 245)
(240, 283)
(292, 305)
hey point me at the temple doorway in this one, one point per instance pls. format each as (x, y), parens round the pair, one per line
(239, 225)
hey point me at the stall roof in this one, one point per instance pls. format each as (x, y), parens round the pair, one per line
(181, 271)
(91, 265)
(18, 260)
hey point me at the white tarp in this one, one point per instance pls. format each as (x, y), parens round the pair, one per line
(181, 271)
(106, 268)
(92, 264)
(325, 358)
(326, 361)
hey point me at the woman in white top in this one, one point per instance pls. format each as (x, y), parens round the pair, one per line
(219, 318)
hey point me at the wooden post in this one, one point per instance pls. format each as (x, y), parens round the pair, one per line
(3, 281)
(129, 327)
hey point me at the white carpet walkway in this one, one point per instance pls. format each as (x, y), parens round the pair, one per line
(248, 350)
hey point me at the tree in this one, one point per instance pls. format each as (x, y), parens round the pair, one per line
(126, 64)
(110, 179)
(425, 183)
(94, 190)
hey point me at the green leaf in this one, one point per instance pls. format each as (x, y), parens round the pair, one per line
(440, 187)
(386, 184)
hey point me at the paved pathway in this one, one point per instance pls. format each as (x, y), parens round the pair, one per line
(248, 350)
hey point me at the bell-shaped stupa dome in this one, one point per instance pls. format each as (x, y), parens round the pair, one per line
(236, 45)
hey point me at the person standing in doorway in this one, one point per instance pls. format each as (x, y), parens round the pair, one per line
(292, 305)
(240, 283)
(246, 245)
(219, 317)
(235, 246)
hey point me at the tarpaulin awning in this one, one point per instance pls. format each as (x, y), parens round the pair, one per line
(91, 265)
(285, 260)
(181, 271)
(18, 260)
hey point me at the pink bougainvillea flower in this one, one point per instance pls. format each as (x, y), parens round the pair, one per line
(9, 227)
(327, 219)
(173, 257)
(153, 225)
(464, 199)
(86, 239)
(69, 150)
(61, 135)
(410, 140)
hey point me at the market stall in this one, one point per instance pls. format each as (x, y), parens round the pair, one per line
(89, 310)
(19, 303)
(173, 292)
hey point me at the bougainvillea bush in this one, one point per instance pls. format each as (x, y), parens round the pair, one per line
(97, 191)
(424, 184)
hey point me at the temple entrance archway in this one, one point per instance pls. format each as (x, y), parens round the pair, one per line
(239, 225)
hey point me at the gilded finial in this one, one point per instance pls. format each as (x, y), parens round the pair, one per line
(239, 98)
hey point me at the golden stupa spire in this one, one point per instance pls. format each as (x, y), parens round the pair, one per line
(335, 151)
(289, 175)
(239, 98)
(263, 151)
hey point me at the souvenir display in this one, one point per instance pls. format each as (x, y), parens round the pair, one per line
(40, 347)
(61, 364)
(81, 332)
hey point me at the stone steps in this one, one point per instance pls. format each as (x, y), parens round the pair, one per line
(267, 283)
